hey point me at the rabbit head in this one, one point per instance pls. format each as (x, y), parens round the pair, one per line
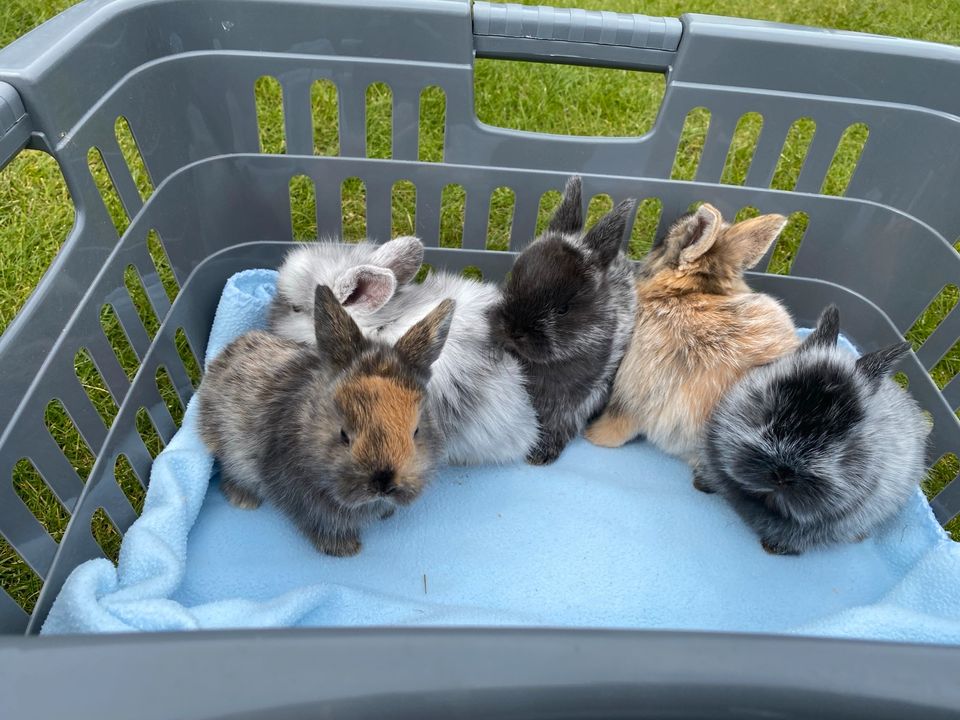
(555, 303)
(363, 277)
(702, 253)
(796, 434)
(379, 442)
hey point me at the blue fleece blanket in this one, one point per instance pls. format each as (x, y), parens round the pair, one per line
(603, 538)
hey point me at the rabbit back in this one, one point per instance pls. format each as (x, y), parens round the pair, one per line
(684, 355)
(476, 393)
(241, 391)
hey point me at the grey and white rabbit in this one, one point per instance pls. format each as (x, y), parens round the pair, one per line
(818, 447)
(362, 276)
(476, 393)
(334, 436)
(567, 313)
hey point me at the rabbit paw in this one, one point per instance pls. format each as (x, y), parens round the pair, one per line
(700, 484)
(338, 545)
(611, 430)
(543, 456)
(239, 497)
(775, 549)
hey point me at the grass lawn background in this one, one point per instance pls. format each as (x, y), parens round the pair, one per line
(36, 213)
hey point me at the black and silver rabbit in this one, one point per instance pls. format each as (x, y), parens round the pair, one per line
(818, 447)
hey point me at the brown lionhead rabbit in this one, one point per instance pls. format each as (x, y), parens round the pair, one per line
(334, 436)
(699, 328)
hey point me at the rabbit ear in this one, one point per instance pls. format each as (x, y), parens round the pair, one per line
(877, 365)
(420, 346)
(366, 288)
(402, 256)
(568, 218)
(698, 233)
(338, 337)
(746, 242)
(605, 239)
(827, 331)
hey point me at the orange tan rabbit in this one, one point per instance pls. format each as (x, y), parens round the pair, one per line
(699, 328)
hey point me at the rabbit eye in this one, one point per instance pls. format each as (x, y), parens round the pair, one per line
(563, 309)
(296, 308)
(344, 438)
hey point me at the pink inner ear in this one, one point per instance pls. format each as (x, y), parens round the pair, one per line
(366, 288)
(355, 295)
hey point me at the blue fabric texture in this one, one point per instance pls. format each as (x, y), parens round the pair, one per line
(603, 539)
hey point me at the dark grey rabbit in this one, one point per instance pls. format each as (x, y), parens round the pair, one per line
(818, 447)
(566, 314)
(335, 436)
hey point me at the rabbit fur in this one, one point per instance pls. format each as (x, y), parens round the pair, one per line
(334, 435)
(476, 393)
(566, 315)
(818, 447)
(699, 328)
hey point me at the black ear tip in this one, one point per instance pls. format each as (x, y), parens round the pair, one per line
(902, 348)
(448, 306)
(323, 297)
(830, 319)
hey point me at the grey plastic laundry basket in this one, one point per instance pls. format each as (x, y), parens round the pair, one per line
(182, 73)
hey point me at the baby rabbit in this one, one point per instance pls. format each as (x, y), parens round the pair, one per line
(699, 328)
(566, 314)
(818, 447)
(476, 394)
(335, 436)
(363, 278)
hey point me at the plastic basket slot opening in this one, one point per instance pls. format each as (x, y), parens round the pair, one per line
(500, 218)
(403, 209)
(303, 209)
(432, 124)
(693, 136)
(645, 224)
(453, 206)
(743, 147)
(108, 190)
(130, 150)
(379, 112)
(353, 204)
(325, 111)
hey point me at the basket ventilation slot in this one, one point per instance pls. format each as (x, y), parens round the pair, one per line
(379, 121)
(403, 203)
(353, 204)
(325, 110)
(108, 190)
(453, 207)
(499, 218)
(432, 125)
(133, 157)
(303, 208)
(268, 98)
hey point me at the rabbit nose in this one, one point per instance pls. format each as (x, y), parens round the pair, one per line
(382, 479)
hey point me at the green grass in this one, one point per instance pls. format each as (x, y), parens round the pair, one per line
(36, 214)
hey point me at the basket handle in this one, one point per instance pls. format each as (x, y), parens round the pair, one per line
(15, 125)
(575, 37)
